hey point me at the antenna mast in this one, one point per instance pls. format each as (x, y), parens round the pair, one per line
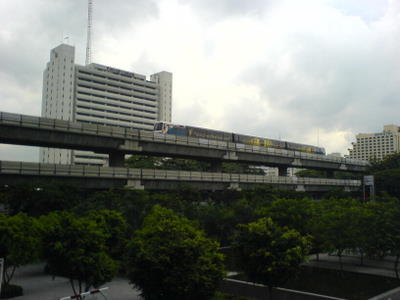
(89, 33)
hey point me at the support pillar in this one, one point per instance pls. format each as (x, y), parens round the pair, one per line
(116, 159)
(282, 171)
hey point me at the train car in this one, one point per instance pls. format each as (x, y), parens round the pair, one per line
(257, 141)
(210, 134)
(168, 128)
(305, 148)
(195, 132)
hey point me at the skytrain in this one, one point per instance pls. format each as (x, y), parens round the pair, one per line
(210, 134)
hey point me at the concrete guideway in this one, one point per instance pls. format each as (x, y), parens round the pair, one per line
(108, 177)
(117, 141)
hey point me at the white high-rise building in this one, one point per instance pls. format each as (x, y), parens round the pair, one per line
(376, 145)
(100, 94)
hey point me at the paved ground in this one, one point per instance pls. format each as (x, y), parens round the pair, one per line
(40, 286)
(352, 263)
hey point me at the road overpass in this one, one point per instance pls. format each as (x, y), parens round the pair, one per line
(116, 141)
(109, 177)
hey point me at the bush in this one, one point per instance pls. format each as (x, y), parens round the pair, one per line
(10, 291)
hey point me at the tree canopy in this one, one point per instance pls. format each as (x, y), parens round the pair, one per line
(268, 253)
(19, 242)
(169, 258)
(76, 248)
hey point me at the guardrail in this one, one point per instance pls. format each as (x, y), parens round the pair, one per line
(56, 170)
(146, 135)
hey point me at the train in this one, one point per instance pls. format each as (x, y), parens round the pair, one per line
(210, 134)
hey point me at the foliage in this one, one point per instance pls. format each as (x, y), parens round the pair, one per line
(75, 248)
(293, 213)
(11, 291)
(115, 227)
(311, 173)
(36, 200)
(171, 259)
(388, 181)
(172, 163)
(391, 161)
(339, 221)
(268, 253)
(19, 242)
(387, 174)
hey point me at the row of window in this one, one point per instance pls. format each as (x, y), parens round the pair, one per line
(114, 92)
(116, 86)
(116, 112)
(119, 99)
(111, 78)
(114, 119)
(118, 106)
(114, 125)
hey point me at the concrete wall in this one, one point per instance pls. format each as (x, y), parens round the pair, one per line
(260, 292)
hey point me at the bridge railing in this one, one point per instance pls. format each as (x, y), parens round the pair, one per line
(38, 169)
(146, 135)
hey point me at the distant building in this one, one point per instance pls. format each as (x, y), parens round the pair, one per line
(376, 145)
(100, 94)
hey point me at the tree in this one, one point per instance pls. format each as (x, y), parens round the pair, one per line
(293, 213)
(387, 174)
(169, 258)
(36, 200)
(19, 242)
(338, 221)
(75, 248)
(268, 253)
(115, 227)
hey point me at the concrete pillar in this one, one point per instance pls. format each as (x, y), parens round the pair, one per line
(330, 173)
(282, 171)
(116, 159)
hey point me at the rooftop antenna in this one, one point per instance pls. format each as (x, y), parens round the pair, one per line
(89, 34)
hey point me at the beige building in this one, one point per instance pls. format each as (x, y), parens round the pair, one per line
(99, 94)
(376, 145)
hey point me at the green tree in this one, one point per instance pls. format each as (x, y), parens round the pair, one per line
(143, 162)
(19, 242)
(293, 213)
(75, 248)
(115, 227)
(268, 253)
(36, 200)
(339, 221)
(387, 174)
(169, 258)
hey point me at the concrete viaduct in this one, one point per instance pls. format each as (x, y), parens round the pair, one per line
(93, 177)
(115, 141)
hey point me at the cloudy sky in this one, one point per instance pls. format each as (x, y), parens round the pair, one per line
(310, 71)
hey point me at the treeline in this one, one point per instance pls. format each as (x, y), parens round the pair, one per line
(167, 243)
(86, 236)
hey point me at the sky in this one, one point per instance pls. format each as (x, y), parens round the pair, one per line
(310, 71)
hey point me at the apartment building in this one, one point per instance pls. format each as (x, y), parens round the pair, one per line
(99, 94)
(376, 145)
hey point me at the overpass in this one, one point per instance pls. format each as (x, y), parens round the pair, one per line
(108, 177)
(116, 141)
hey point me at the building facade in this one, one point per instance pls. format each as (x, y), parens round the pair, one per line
(376, 145)
(102, 95)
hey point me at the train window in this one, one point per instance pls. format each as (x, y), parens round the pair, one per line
(158, 126)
